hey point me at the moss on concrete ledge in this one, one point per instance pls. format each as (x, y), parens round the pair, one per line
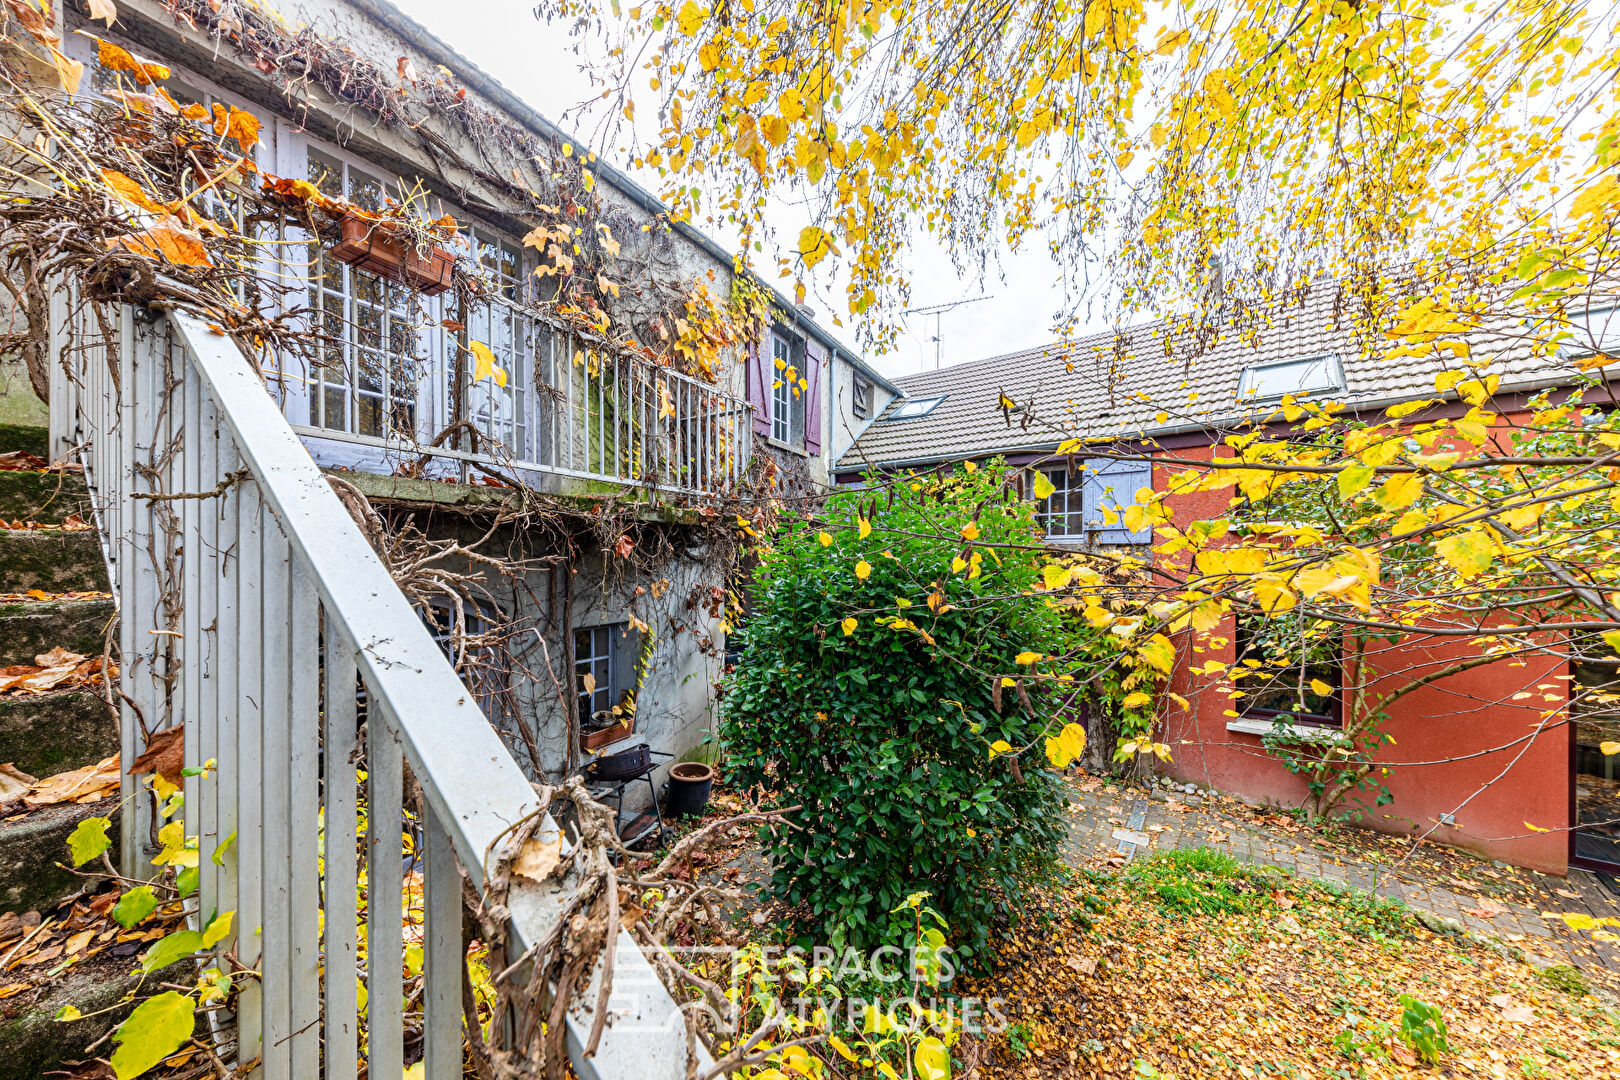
(45, 734)
(28, 629)
(33, 845)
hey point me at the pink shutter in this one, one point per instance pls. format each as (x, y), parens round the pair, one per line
(757, 395)
(814, 357)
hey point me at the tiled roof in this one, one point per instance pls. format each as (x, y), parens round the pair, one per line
(1119, 383)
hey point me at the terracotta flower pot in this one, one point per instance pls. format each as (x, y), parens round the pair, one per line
(369, 244)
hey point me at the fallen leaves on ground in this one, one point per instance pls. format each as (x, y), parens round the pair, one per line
(1243, 989)
(41, 596)
(34, 951)
(72, 523)
(58, 669)
(23, 461)
(87, 785)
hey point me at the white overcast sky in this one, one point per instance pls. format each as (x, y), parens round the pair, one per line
(534, 61)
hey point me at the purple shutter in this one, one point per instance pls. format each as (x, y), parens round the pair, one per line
(757, 396)
(814, 358)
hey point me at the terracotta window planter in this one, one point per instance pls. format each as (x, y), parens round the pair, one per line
(591, 740)
(375, 246)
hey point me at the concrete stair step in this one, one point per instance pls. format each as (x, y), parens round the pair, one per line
(35, 1042)
(46, 734)
(52, 560)
(30, 628)
(24, 437)
(33, 844)
(48, 498)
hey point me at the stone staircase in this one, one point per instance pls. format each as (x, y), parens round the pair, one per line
(60, 730)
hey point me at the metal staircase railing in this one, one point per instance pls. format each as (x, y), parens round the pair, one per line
(251, 607)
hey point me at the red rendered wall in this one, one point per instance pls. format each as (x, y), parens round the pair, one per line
(1462, 745)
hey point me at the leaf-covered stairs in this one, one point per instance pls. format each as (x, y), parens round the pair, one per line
(53, 595)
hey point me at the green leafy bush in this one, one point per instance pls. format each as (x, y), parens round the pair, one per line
(873, 693)
(1423, 1028)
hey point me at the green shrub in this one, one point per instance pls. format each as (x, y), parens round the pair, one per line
(886, 730)
(1423, 1029)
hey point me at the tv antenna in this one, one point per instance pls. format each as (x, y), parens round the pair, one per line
(937, 310)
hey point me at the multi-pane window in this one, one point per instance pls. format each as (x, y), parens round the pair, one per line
(374, 340)
(1061, 513)
(781, 376)
(1090, 502)
(500, 413)
(593, 669)
(1288, 666)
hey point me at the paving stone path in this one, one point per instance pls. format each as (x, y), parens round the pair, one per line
(1110, 821)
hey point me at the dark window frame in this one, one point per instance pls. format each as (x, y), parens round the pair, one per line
(1249, 709)
(597, 663)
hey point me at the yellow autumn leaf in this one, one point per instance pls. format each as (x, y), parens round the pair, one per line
(484, 365)
(1609, 749)
(690, 18)
(815, 244)
(864, 527)
(1401, 490)
(1055, 576)
(1320, 688)
(1027, 657)
(849, 625)
(1136, 699)
(825, 538)
(863, 569)
(1068, 744)
(1469, 553)
(970, 531)
(1043, 487)
(1595, 197)
(1000, 746)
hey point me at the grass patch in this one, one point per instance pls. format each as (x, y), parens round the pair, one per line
(1566, 978)
(1199, 881)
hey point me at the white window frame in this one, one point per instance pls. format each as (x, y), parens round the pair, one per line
(914, 408)
(501, 414)
(781, 388)
(1074, 527)
(1253, 378)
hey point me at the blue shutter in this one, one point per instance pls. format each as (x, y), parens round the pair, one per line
(1113, 485)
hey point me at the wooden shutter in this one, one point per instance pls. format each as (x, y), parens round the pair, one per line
(1113, 485)
(759, 395)
(814, 357)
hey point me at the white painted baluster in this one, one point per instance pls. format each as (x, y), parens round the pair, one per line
(276, 797)
(341, 798)
(250, 762)
(225, 526)
(303, 879)
(191, 573)
(385, 950)
(202, 603)
(443, 953)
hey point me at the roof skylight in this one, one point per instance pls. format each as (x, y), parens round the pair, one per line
(1302, 375)
(917, 407)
